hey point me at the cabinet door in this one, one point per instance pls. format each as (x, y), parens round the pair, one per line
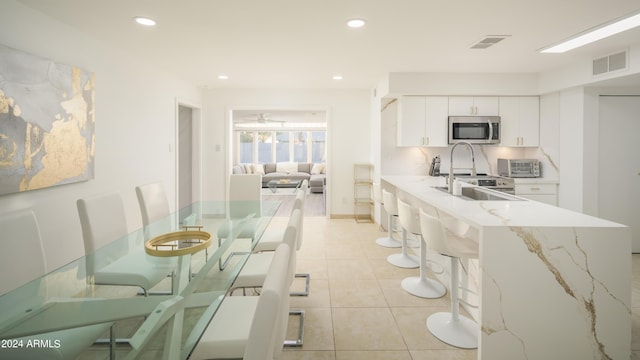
(509, 122)
(520, 121)
(474, 106)
(461, 105)
(529, 121)
(486, 105)
(411, 121)
(436, 121)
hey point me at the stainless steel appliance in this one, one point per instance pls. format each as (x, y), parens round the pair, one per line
(498, 183)
(474, 129)
(519, 168)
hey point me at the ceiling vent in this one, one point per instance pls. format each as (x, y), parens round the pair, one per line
(613, 62)
(488, 41)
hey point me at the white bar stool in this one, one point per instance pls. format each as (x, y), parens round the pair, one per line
(420, 286)
(388, 241)
(403, 259)
(450, 327)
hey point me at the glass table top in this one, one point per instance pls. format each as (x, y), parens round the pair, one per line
(187, 297)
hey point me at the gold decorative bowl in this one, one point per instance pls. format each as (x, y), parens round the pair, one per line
(196, 239)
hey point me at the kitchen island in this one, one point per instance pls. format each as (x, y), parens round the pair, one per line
(551, 283)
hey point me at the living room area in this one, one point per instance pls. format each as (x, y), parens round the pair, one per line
(285, 147)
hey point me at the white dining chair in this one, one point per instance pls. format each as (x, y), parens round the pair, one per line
(154, 208)
(451, 327)
(250, 327)
(245, 200)
(103, 221)
(23, 262)
(255, 270)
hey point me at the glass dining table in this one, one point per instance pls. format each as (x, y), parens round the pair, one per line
(167, 324)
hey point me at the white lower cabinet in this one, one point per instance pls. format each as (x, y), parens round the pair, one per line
(544, 193)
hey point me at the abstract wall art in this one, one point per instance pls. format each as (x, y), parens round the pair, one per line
(47, 121)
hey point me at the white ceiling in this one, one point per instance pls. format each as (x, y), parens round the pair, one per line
(303, 43)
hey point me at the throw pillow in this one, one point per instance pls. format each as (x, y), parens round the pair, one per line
(258, 169)
(287, 168)
(317, 169)
(248, 168)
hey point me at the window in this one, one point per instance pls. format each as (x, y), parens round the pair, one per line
(245, 146)
(300, 146)
(264, 146)
(282, 146)
(318, 146)
(259, 146)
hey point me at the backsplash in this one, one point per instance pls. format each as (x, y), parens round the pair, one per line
(416, 160)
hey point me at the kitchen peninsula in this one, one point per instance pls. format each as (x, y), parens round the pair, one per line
(552, 283)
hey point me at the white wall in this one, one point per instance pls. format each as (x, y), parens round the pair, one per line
(349, 134)
(135, 127)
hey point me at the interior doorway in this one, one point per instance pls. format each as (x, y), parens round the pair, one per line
(188, 159)
(270, 138)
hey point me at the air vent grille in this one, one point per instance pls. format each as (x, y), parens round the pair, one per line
(613, 62)
(488, 41)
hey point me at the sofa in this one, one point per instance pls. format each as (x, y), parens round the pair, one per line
(314, 173)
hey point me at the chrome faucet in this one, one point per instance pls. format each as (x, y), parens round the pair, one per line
(473, 163)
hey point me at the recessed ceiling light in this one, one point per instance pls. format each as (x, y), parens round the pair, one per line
(595, 34)
(356, 23)
(144, 21)
(337, 77)
(223, 77)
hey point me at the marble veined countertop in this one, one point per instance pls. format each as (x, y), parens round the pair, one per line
(523, 213)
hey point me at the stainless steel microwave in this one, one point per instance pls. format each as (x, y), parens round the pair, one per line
(474, 129)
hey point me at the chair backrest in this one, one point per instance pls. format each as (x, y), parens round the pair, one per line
(266, 328)
(22, 257)
(304, 186)
(291, 238)
(390, 204)
(154, 208)
(245, 195)
(409, 217)
(103, 221)
(433, 233)
(298, 203)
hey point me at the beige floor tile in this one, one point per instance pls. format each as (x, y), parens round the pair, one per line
(308, 355)
(396, 296)
(366, 329)
(412, 325)
(373, 355)
(362, 293)
(384, 270)
(444, 354)
(344, 250)
(355, 269)
(319, 296)
(316, 267)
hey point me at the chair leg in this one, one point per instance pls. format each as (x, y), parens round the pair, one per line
(299, 341)
(451, 327)
(404, 260)
(422, 286)
(305, 292)
(389, 241)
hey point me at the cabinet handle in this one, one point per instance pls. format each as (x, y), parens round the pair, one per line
(426, 141)
(535, 189)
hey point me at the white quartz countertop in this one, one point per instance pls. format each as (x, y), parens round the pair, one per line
(524, 213)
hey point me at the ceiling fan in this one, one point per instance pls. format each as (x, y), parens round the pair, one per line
(261, 118)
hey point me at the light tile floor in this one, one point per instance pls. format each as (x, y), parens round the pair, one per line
(357, 309)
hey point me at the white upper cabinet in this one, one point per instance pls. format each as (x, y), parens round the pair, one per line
(520, 121)
(474, 105)
(422, 121)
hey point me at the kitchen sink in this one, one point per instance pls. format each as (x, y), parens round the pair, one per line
(480, 194)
